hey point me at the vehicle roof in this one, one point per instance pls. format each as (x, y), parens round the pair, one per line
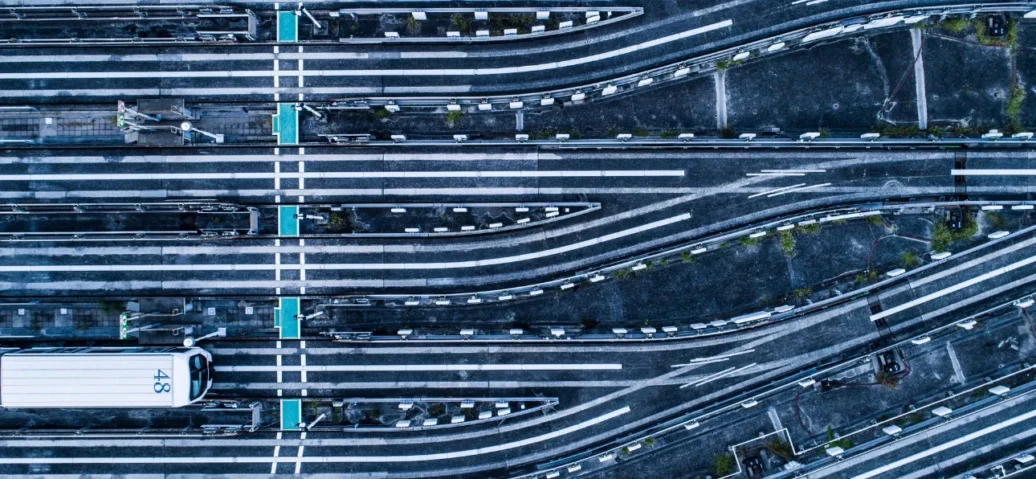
(84, 380)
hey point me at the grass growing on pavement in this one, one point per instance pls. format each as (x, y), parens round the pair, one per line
(462, 22)
(955, 24)
(748, 241)
(896, 131)
(996, 221)
(810, 229)
(867, 276)
(722, 464)
(339, 222)
(781, 448)
(942, 236)
(1009, 39)
(802, 292)
(687, 257)
(843, 443)
(1013, 108)
(787, 243)
(452, 117)
(875, 220)
(908, 260)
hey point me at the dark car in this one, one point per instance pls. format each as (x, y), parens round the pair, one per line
(995, 26)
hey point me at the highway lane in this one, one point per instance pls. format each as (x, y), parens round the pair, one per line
(656, 38)
(758, 356)
(649, 199)
(944, 446)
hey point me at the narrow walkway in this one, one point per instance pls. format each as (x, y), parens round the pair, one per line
(721, 99)
(922, 100)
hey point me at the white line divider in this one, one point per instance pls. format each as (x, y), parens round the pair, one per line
(796, 190)
(952, 289)
(710, 377)
(170, 459)
(345, 175)
(776, 190)
(186, 57)
(793, 171)
(367, 73)
(376, 368)
(345, 266)
(1004, 172)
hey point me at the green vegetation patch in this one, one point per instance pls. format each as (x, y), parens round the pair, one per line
(722, 464)
(452, 117)
(787, 243)
(748, 241)
(1013, 108)
(908, 260)
(942, 236)
(954, 24)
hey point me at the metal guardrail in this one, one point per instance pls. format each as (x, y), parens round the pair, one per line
(686, 69)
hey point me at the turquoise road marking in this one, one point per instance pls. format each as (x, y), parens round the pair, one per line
(286, 124)
(288, 223)
(290, 327)
(276, 317)
(291, 414)
(287, 27)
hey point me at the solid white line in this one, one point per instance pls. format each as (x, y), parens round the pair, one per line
(793, 171)
(721, 373)
(366, 73)
(947, 445)
(699, 362)
(954, 288)
(715, 377)
(169, 459)
(345, 266)
(1005, 172)
(716, 358)
(376, 368)
(343, 157)
(258, 90)
(777, 190)
(775, 174)
(799, 189)
(345, 174)
(189, 57)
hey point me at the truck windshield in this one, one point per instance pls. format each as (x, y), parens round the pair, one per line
(199, 375)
